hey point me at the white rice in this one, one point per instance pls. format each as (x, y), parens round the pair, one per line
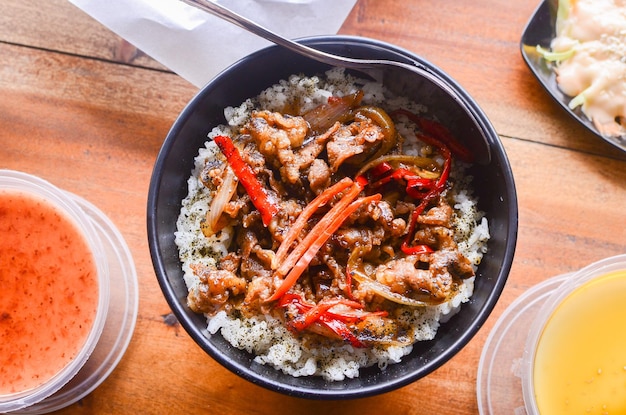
(266, 337)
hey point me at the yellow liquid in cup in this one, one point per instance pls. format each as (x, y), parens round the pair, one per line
(580, 361)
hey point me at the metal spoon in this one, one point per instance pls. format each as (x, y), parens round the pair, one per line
(393, 72)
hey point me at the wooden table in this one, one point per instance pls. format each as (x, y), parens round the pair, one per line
(86, 111)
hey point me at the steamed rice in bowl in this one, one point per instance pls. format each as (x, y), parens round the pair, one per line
(266, 335)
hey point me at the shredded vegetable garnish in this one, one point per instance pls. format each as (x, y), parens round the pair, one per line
(319, 234)
(306, 214)
(555, 56)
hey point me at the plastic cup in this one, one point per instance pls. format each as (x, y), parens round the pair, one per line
(505, 379)
(116, 309)
(575, 297)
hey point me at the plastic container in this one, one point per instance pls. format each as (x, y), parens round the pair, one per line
(117, 303)
(505, 381)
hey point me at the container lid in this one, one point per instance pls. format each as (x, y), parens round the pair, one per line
(120, 320)
(569, 287)
(504, 370)
(499, 380)
(23, 183)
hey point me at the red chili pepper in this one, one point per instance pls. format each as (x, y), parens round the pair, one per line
(320, 313)
(406, 246)
(406, 174)
(290, 298)
(415, 249)
(419, 188)
(380, 170)
(438, 187)
(435, 130)
(315, 312)
(340, 329)
(398, 174)
(258, 194)
(361, 182)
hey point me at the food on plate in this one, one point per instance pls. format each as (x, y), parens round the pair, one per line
(589, 52)
(329, 226)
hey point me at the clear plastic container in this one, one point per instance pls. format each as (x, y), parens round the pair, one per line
(505, 372)
(117, 304)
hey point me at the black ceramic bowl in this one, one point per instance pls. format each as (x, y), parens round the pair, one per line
(493, 183)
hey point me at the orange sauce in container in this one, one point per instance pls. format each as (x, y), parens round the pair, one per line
(580, 359)
(48, 291)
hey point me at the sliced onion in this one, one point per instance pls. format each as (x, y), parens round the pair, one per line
(323, 116)
(384, 291)
(356, 271)
(382, 119)
(421, 162)
(222, 196)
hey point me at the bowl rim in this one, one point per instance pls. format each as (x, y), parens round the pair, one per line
(498, 156)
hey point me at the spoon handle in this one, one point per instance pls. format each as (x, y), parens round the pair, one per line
(255, 28)
(390, 70)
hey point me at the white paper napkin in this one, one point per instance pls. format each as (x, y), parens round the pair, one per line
(196, 45)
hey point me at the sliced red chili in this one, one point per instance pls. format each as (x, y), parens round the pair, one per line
(258, 194)
(361, 181)
(315, 312)
(415, 249)
(290, 298)
(380, 170)
(340, 329)
(419, 188)
(321, 314)
(394, 174)
(404, 174)
(435, 130)
(439, 186)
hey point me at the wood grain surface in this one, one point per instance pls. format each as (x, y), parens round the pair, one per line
(87, 111)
